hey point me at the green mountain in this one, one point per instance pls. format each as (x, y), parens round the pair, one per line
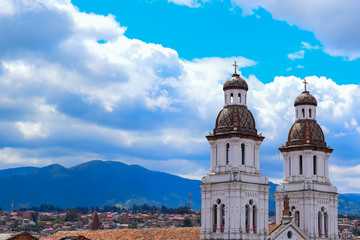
(99, 183)
(95, 183)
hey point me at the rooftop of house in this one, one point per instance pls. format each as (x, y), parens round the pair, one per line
(190, 233)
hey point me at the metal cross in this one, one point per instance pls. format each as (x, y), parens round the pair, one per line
(305, 82)
(235, 66)
(283, 192)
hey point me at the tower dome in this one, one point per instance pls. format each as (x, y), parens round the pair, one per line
(306, 132)
(235, 82)
(305, 98)
(235, 119)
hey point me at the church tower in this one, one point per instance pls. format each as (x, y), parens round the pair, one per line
(234, 192)
(313, 199)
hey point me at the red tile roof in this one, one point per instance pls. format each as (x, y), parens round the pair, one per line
(138, 234)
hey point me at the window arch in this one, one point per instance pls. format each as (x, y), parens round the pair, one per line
(297, 113)
(239, 97)
(222, 217)
(254, 218)
(214, 218)
(319, 224)
(247, 217)
(309, 113)
(326, 224)
(227, 153)
(300, 165)
(243, 154)
(315, 165)
(297, 218)
(231, 98)
(303, 113)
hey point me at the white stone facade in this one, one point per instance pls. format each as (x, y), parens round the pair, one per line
(235, 195)
(312, 198)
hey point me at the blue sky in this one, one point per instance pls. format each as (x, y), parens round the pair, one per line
(141, 81)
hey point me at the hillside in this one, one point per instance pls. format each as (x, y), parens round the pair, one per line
(94, 183)
(99, 183)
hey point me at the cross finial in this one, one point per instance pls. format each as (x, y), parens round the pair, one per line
(235, 65)
(283, 192)
(305, 82)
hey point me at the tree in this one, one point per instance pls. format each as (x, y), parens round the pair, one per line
(72, 215)
(187, 222)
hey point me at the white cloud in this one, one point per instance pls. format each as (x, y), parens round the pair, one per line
(93, 101)
(189, 3)
(32, 130)
(335, 24)
(308, 46)
(346, 178)
(296, 55)
(300, 66)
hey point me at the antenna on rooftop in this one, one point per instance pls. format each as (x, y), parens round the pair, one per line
(189, 201)
(12, 206)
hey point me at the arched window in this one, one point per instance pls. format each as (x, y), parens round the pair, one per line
(326, 224)
(215, 218)
(300, 165)
(227, 153)
(297, 218)
(303, 112)
(297, 113)
(247, 217)
(243, 154)
(231, 97)
(319, 224)
(309, 113)
(254, 218)
(222, 217)
(315, 165)
(239, 97)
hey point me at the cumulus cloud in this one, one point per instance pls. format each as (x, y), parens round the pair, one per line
(71, 99)
(296, 55)
(334, 24)
(32, 130)
(345, 178)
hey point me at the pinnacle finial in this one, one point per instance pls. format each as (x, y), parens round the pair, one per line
(305, 82)
(235, 65)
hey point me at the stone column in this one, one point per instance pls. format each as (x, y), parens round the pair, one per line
(236, 152)
(286, 165)
(257, 155)
(212, 155)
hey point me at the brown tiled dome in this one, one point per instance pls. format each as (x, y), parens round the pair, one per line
(305, 98)
(235, 119)
(235, 82)
(306, 132)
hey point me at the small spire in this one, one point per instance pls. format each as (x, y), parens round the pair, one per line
(235, 65)
(96, 222)
(286, 206)
(305, 82)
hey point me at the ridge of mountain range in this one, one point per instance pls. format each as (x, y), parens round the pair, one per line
(99, 183)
